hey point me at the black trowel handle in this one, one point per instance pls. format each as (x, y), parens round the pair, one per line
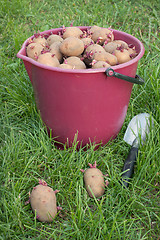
(128, 167)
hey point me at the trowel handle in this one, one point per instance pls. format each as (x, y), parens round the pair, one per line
(128, 167)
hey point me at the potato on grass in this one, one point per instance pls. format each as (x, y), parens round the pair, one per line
(43, 202)
(72, 46)
(94, 181)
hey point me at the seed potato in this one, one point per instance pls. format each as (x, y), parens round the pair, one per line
(121, 43)
(131, 51)
(102, 35)
(43, 201)
(90, 51)
(72, 32)
(54, 38)
(72, 46)
(112, 46)
(41, 40)
(94, 28)
(100, 64)
(33, 50)
(55, 49)
(75, 62)
(122, 56)
(106, 57)
(86, 44)
(65, 66)
(48, 59)
(93, 48)
(94, 182)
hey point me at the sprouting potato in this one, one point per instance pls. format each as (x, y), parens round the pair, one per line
(54, 38)
(106, 57)
(132, 50)
(40, 39)
(111, 46)
(95, 46)
(87, 42)
(100, 64)
(55, 49)
(48, 59)
(121, 43)
(33, 50)
(72, 46)
(90, 51)
(122, 55)
(102, 35)
(43, 202)
(94, 181)
(94, 28)
(75, 62)
(65, 66)
(72, 32)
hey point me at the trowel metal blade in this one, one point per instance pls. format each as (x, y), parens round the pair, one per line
(137, 128)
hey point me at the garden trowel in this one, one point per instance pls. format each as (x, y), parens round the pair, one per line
(135, 135)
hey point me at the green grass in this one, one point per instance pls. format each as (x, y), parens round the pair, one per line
(28, 154)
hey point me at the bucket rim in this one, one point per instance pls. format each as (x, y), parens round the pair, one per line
(89, 70)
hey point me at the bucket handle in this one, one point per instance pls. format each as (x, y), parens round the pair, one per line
(111, 73)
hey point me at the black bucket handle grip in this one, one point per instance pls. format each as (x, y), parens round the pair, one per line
(111, 73)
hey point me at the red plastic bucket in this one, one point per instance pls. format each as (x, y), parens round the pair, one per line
(91, 103)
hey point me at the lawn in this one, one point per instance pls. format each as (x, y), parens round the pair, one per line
(28, 154)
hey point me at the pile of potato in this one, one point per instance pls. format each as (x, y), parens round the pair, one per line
(77, 49)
